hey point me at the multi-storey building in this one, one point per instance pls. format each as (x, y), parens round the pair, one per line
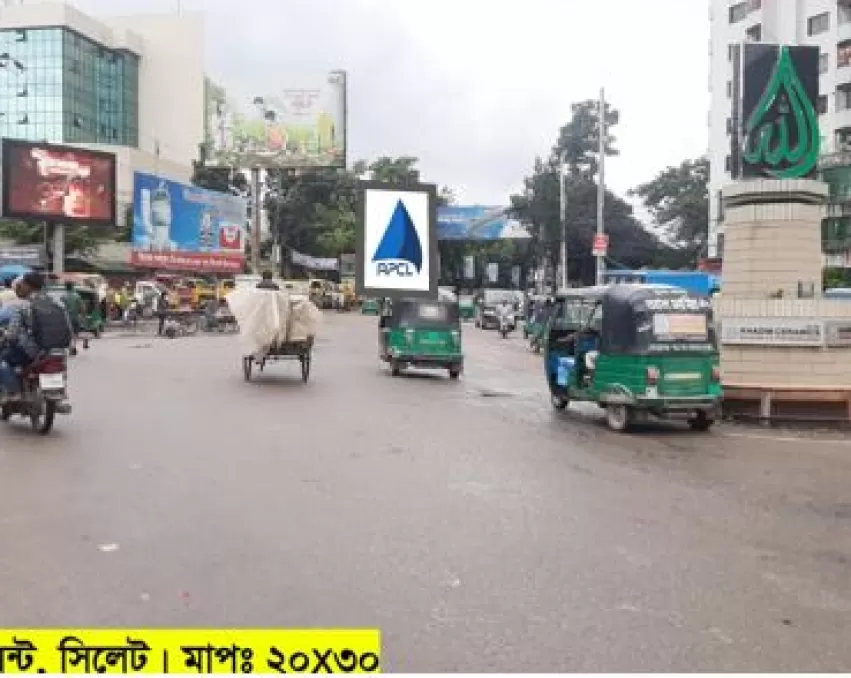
(133, 86)
(824, 23)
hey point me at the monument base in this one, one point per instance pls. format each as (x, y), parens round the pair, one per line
(785, 351)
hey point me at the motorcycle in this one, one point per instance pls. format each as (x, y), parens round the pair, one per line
(506, 324)
(43, 392)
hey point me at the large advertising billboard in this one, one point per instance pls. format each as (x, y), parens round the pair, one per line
(58, 183)
(185, 228)
(779, 111)
(290, 128)
(478, 223)
(396, 241)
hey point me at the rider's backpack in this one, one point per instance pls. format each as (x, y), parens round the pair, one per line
(50, 327)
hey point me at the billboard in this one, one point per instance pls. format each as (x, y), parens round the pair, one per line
(478, 223)
(58, 183)
(291, 128)
(185, 228)
(780, 134)
(396, 241)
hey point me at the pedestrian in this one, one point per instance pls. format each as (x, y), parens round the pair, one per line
(162, 310)
(267, 283)
(73, 303)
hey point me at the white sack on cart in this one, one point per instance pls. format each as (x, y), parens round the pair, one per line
(304, 319)
(262, 316)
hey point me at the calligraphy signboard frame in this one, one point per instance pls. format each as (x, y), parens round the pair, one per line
(780, 133)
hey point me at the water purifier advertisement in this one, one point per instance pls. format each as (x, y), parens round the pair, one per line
(185, 228)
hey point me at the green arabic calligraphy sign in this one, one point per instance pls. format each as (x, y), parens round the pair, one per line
(781, 135)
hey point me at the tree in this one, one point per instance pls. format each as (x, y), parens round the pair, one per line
(538, 206)
(579, 140)
(678, 199)
(79, 240)
(401, 171)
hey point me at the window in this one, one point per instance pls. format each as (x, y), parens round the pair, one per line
(843, 99)
(738, 12)
(820, 23)
(754, 5)
(754, 33)
(731, 51)
(729, 125)
(823, 63)
(728, 164)
(821, 104)
(844, 11)
(843, 54)
(729, 89)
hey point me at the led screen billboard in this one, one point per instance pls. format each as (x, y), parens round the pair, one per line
(58, 183)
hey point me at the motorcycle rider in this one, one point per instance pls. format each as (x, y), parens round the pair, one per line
(73, 303)
(18, 347)
(505, 312)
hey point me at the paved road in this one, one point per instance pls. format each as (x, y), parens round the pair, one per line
(478, 528)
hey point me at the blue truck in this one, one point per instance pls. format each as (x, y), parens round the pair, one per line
(697, 282)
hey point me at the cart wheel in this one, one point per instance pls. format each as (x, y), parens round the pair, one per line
(619, 417)
(454, 373)
(246, 367)
(85, 344)
(96, 333)
(395, 369)
(5, 413)
(305, 367)
(262, 364)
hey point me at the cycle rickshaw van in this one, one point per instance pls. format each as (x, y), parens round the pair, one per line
(421, 333)
(642, 351)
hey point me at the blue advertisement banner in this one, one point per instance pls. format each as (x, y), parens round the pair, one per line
(478, 223)
(184, 227)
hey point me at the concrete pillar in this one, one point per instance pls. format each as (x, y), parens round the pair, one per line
(772, 238)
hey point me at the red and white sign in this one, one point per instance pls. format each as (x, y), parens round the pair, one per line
(230, 238)
(601, 245)
(189, 261)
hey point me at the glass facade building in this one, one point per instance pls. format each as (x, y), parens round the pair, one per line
(59, 86)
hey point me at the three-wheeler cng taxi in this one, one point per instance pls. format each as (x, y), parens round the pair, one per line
(423, 334)
(638, 351)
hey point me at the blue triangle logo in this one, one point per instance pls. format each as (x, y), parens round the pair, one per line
(400, 241)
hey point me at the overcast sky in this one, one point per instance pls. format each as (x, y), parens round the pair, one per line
(475, 88)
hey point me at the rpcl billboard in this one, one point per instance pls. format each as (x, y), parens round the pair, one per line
(185, 228)
(478, 223)
(289, 128)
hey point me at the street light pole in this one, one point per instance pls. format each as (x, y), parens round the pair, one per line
(601, 185)
(563, 215)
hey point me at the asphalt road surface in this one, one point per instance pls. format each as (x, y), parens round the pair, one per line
(477, 527)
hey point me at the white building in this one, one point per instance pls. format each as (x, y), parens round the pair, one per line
(825, 23)
(133, 86)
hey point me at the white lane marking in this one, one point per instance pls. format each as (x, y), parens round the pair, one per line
(786, 439)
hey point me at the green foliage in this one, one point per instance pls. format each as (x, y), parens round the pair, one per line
(678, 199)
(538, 206)
(835, 277)
(79, 240)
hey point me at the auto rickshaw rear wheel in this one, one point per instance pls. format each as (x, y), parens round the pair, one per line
(619, 417)
(395, 369)
(559, 402)
(454, 372)
(702, 422)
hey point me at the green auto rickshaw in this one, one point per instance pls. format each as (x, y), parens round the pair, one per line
(467, 307)
(91, 316)
(421, 333)
(370, 306)
(638, 351)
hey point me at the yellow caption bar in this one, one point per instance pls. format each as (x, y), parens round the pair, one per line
(193, 651)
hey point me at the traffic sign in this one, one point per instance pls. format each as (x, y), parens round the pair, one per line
(601, 245)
